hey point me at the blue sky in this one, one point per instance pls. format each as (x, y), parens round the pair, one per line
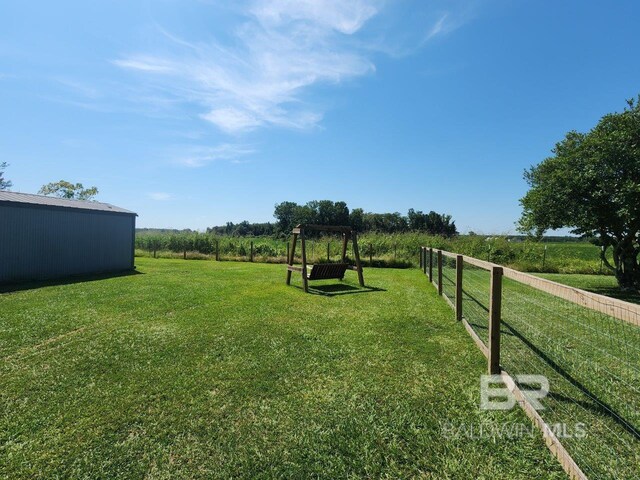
(193, 113)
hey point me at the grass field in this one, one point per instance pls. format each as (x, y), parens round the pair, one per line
(219, 370)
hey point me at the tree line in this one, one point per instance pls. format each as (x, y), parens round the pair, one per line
(327, 212)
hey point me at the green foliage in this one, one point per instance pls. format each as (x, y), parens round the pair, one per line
(326, 212)
(64, 189)
(152, 243)
(4, 183)
(244, 229)
(399, 250)
(592, 185)
(431, 223)
(319, 212)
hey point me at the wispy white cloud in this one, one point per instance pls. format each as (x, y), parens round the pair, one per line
(438, 28)
(445, 24)
(282, 47)
(344, 17)
(231, 119)
(159, 196)
(261, 75)
(199, 156)
(146, 64)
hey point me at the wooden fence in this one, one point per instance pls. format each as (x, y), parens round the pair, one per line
(432, 265)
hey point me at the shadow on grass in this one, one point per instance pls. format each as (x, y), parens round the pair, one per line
(594, 403)
(338, 289)
(598, 405)
(615, 292)
(17, 287)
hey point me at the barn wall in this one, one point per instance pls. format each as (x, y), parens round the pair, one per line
(42, 242)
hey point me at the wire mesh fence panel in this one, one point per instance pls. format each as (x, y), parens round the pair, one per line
(588, 348)
(591, 361)
(449, 278)
(435, 268)
(475, 299)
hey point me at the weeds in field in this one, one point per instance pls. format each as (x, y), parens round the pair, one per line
(382, 250)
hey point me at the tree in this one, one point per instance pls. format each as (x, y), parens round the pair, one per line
(4, 183)
(285, 213)
(64, 189)
(592, 186)
(356, 219)
(327, 212)
(320, 212)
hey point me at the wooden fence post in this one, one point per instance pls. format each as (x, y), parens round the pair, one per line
(459, 266)
(305, 283)
(495, 306)
(251, 252)
(370, 254)
(431, 264)
(424, 260)
(439, 272)
(217, 250)
(421, 258)
(288, 251)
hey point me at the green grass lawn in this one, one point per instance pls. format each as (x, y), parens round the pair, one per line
(219, 370)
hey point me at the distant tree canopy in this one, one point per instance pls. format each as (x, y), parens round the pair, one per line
(244, 229)
(327, 212)
(4, 183)
(592, 185)
(431, 222)
(64, 189)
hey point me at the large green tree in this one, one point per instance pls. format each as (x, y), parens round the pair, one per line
(4, 183)
(64, 189)
(592, 185)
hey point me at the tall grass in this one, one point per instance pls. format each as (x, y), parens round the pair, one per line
(383, 250)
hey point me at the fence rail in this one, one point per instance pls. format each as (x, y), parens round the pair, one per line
(587, 345)
(276, 251)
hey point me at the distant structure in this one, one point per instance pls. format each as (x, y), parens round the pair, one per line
(45, 237)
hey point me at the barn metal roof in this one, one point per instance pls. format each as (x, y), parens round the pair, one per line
(28, 198)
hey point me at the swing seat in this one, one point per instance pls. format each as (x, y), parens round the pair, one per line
(326, 271)
(323, 271)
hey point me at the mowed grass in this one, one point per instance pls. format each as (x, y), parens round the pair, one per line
(219, 370)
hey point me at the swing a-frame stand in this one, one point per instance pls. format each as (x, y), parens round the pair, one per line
(323, 271)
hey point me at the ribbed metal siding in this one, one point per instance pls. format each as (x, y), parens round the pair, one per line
(41, 243)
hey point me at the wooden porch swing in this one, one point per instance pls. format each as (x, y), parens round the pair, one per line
(323, 271)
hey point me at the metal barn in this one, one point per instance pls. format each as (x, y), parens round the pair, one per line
(45, 238)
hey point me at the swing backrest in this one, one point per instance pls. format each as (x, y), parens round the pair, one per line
(325, 271)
